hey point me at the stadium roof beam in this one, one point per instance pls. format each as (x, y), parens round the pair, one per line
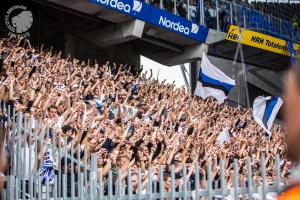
(189, 54)
(161, 43)
(116, 34)
(59, 6)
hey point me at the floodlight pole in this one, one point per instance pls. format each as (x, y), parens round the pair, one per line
(185, 78)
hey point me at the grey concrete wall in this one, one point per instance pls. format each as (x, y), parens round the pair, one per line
(81, 49)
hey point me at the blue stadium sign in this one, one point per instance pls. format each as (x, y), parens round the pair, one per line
(157, 17)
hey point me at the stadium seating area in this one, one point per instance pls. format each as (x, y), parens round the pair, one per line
(284, 22)
(286, 11)
(132, 120)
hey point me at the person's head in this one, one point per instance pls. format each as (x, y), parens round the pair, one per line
(167, 180)
(121, 160)
(292, 112)
(134, 180)
(52, 111)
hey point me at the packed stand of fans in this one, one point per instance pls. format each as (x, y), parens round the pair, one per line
(286, 11)
(132, 120)
(180, 8)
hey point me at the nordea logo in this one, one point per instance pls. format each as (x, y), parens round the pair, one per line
(137, 5)
(176, 26)
(116, 4)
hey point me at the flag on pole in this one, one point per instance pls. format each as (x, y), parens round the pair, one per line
(265, 110)
(213, 82)
(47, 169)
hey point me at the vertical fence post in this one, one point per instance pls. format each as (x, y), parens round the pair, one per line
(101, 185)
(13, 143)
(201, 12)
(223, 182)
(11, 186)
(24, 157)
(19, 135)
(217, 10)
(85, 167)
(175, 9)
(188, 10)
(39, 192)
(93, 175)
(81, 184)
(172, 182)
(59, 166)
(249, 178)
(55, 188)
(78, 170)
(231, 13)
(64, 185)
(235, 178)
(150, 183)
(263, 174)
(184, 182)
(129, 186)
(209, 181)
(47, 188)
(161, 183)
(72, 171)
(17, 193)
(277, 172)
(244, 16)
(30, 156)
(119, 184)
(197, 178)
(110, 183)
(139, 183)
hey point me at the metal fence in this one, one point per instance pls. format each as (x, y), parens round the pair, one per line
(219, 14)
(228, 12)
(77, 176)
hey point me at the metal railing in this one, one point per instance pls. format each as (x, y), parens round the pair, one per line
(78, 176)
(219, 14)
(249, 18)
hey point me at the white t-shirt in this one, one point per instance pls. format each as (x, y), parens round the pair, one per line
(25, 161)
(60, 122)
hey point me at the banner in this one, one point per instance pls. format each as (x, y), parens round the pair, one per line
(261, 41)
(157, 17)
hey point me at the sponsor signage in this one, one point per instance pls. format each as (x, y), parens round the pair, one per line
(261, 41)
(157, 17)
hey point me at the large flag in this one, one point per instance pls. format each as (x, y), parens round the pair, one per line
(265, 110)
(213, 82)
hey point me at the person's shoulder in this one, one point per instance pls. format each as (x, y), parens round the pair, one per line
(291, 192)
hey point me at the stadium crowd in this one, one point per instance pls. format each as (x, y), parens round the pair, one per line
(132, 120)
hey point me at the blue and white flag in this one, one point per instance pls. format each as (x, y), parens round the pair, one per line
(47, 169)
(265, 110)
(213, 82)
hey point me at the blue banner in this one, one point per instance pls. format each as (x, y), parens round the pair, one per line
(157, 17)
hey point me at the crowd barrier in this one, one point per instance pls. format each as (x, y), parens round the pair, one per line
(28, 144)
